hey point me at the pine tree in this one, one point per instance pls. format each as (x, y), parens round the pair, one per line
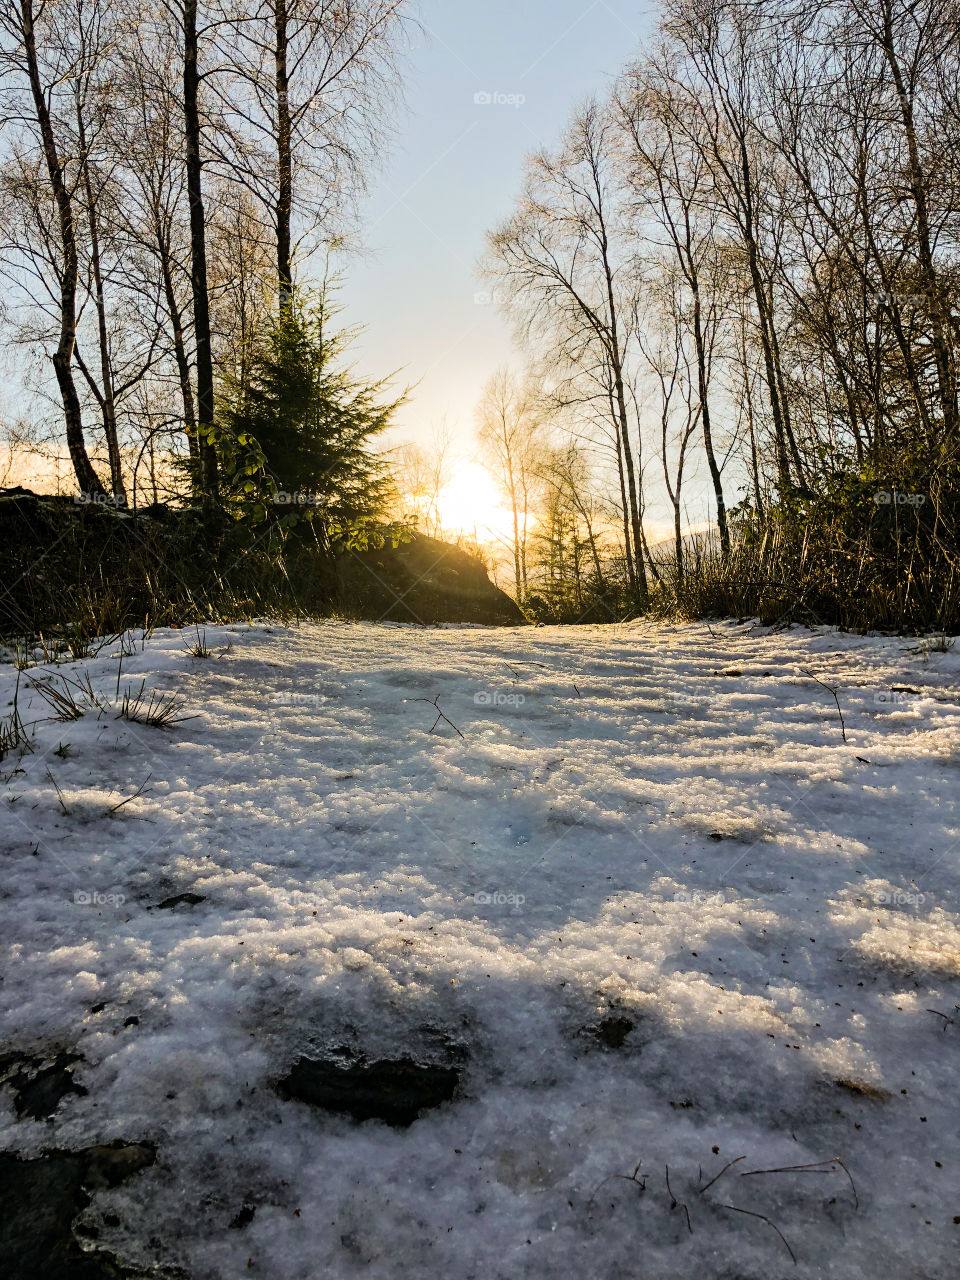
(300, 430)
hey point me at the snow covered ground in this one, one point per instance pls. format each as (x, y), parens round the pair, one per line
(663, 915)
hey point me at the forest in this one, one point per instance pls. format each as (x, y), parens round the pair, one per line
(732, 284)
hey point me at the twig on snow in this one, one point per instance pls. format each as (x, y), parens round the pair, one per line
(763, 1218)
(674, 1202)
(721, 1173)
(947, 1020)
(816, 1167)
(632, 1177)
(59, 793)
(139, 792)
(833, 693)
(434, 702)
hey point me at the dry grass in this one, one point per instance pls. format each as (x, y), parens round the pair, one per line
(68, 699)
(782, 582)
(161, 710)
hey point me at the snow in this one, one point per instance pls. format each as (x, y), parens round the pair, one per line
(657, 823)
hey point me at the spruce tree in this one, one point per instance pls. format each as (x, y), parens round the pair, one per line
(302, 426)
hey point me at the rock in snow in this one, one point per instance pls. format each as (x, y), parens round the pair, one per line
(39, 1084)
(393, 1091)
(40, 1200)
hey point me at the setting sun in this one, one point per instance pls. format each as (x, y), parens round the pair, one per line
(471, 503)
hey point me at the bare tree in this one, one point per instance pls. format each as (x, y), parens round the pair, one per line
(43, 49)
(307, 96)
(562, 259)
(191, 33)
(669, 185)
(510, 429)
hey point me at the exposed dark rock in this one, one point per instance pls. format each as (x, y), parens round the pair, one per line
(41, 1198)
(113, 1163)
(243, 1218)
(612, 1031)
(39, 1084)
(181, 899)
(608, 1032)
(395, 1092)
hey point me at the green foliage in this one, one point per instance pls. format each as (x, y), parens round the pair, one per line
(85, 574)
(295, 431)
(248, 484)
(364, 535)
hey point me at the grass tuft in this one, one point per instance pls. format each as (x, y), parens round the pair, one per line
(200, 648)
(160, 710)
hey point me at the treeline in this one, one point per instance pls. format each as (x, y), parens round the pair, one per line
(737, 277)
(164, 168)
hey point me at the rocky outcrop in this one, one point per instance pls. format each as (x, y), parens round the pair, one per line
(394, 1091)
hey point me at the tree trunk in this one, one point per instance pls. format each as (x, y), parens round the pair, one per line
(946, 382)
(105, 395)
(284, 203)
(704, 403)
(511, 488)
(751, 423)
(523, 536)
(62, 358)
(625, 509)
(623, 425)
(180, 356)
(636, 529)
(198, 255)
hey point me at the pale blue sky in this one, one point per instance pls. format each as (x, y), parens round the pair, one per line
(453, 172)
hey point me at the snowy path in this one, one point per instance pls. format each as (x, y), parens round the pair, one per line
(662, 825)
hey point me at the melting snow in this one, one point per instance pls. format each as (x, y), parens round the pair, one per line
(662, 825)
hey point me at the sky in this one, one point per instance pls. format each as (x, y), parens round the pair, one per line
(486, 83)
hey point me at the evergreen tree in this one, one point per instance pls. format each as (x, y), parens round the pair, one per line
(299, 430)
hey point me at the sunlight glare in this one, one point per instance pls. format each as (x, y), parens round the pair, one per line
(471, 503)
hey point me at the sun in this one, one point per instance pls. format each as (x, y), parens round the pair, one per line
(471, 503)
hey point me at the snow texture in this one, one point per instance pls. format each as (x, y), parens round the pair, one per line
(662, 825)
